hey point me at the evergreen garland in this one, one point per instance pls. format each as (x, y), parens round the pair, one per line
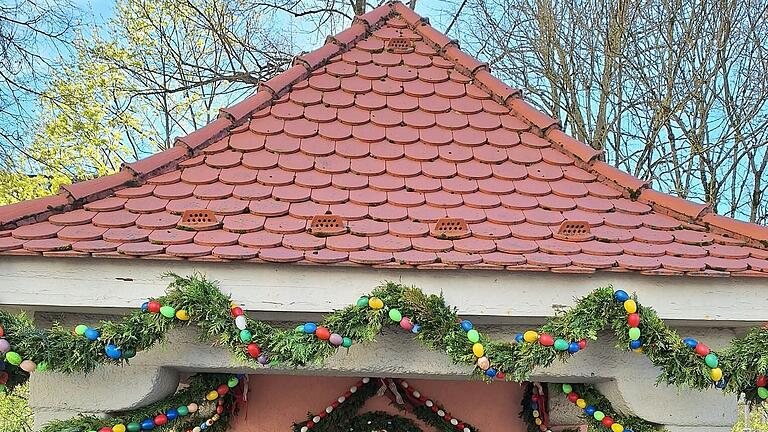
(61, 350)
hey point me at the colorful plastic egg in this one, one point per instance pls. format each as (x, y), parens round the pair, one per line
(466, 325)
(478, 350)
(711, 360)
(310, 328)
(690, 342)
(762, 392)
(245, 336)
(483, 363)
(630, 306)
(362, 302)
(716, 374)
(530, 336)
(561, 344)
(335, 339)
(323, 333)
(346, 342)
(621, 296)
(153, 306)
(241, 322)
(473, 336)
(395, 315)
(634, 333)
(375, 303)
(113, 352)
(168, 311)
(182, 315)
(92, 334)
(406, 324)
(633, 320)
(13, 358)
(573, 347)
(701, 349)
(28, 366)
(546, 339)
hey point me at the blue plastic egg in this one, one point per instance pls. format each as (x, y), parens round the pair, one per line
(590, 410)
(416, 328)
(721, 383)
(113, 352)
(491, 372)
(147, 424)
(203, 426)
(534, 405)
(466, 325)
(519, 338)
(635, 344)
(690, 342)
(573, 347)
(144, 306)
(621, 296)
(172, 414)
(91, 334)
(310, 328)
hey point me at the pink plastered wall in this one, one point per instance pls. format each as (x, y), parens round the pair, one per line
(276, 401)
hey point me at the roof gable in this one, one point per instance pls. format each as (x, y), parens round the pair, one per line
(392, 127)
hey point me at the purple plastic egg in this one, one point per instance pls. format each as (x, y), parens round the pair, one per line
(4, 346)
(336, 339)
(262, 359)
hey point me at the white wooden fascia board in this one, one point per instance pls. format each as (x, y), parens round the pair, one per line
(38, 283)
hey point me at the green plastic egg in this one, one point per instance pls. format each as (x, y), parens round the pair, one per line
(80, 330)
(561, 344)
(346, 342)
(134, 427)
(233, 382)
(362, 302)
(762, 392)
(473, 335)
(567, 388)
(599, 415)
(13, 358)
(183, 410)
(711, 360)
(395, 315)
(245, 336)
(168, 311)
(634, 333)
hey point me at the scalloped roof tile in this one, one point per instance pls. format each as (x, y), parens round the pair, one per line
(390, 140)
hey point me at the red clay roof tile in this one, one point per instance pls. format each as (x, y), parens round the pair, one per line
(391, 143)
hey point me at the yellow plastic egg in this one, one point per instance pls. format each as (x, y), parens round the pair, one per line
(537, 421)
(581, 403)
(212, 395)
(630, 306)
(638, 350)
(478, 349)
(118, 428)
(375, 303)
(182, 315)
(617, 427)
(716, 374)
(530, 336)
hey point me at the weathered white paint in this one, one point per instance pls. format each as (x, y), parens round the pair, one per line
(46, 283)
(626, 378)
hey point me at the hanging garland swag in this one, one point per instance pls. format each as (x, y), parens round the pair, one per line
(193, 300)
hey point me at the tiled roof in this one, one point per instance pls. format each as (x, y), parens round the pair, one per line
(390, 127)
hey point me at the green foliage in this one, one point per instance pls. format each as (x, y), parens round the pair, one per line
(15, 415)
(210, 311)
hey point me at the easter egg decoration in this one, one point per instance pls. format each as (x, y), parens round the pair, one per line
(483, 363)
(630, 306)
(633, 320)
(245, 336)
(113, 351)
(466, 325)
(28, 366)
(530, 336)
(690, 342)
(323, 333)
(241, 322)
(336, 339)
(154, 307)
(634, 333)
(80, 329)
(561, 344)
(546, 339)
(711, 360)
(406, 324)
(395, 315)
(701, 349)
(92, 334)
(346, 342)
(182, 315)
(375, 303)
(253, 350)
(13, 358)
(362, 302)
(621, 296)
(478, 350)
(473, 336)
(5, 346)
(168, 312)
(573, 347)
(310, 328)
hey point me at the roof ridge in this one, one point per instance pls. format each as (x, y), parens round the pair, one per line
(589, 158)
(76, 195)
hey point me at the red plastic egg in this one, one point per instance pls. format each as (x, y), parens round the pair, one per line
(161, 420)
(323, 333)
(762, 380)
(546, 339)
(573, 397)
(607, 421)
(153, 306)
(310, 424)
(3, 377)
(582, 344)
(633, 320)
(2, 331)
(447, 417)
(219, 409)
(236, 311)
(222, 389)
(460, 426)
(105, 429)
(253, 350)
(500, 375)
(701, 349)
